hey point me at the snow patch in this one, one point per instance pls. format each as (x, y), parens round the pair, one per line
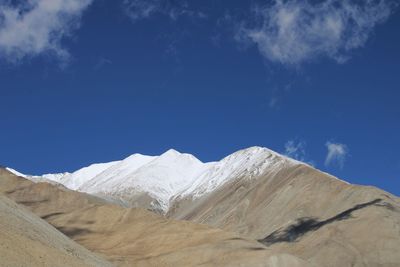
(16, 172)
(168, 176)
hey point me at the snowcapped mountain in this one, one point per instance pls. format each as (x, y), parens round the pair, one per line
(153, 182)
(289, 207)
(244, 164)
(78, 178)
(160, 177)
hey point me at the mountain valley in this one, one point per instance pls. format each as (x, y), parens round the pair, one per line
(252, 208)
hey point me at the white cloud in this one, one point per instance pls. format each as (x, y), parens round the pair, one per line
(142, 9)
(296, 150)
(36, 27)
(139, 9)
(293, 31)
(337, 154)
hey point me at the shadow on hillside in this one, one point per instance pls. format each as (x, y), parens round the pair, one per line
(48, 216)
(31, 203)
(304, 225)
(11, 191)
(73, 231)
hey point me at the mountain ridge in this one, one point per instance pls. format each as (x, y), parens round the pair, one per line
(160, 179)
(289, 207)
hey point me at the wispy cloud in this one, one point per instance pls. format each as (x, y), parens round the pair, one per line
(36, 27)
(139, 9)
(102, 62)
(293, 31)
(296, 149)
(337, 154)
(278, 93)
(142, 9)
(273, 102)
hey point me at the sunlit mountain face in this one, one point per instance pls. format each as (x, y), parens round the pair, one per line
(199, 133)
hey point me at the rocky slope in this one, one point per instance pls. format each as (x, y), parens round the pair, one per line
(289, 207)
(136, 237)
(153, 182)
(307, 213)
(27, 240)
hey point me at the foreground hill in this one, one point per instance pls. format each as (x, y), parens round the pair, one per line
(27, 240)
(258, 194)
(128, 236)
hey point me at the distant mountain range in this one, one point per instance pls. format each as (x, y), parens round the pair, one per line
(162, 179)
(285, 212)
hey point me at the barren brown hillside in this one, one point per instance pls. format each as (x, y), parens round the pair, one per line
(302, 211)
(27, 240)
(135, 237)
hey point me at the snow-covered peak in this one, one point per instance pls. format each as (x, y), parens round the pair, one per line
(161, 177)
(254, 151)
(79, 177)
(170, 153)
(136, 156)
(251, 152)
(168, 176)
(248, 163)
(121, 170)
(173, 155)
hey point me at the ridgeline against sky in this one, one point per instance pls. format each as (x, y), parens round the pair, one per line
(94, 80)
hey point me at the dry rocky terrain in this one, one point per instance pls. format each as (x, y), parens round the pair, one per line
(297, 216)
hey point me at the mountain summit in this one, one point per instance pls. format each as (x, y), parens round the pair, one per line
(284, 206)
(154, 181)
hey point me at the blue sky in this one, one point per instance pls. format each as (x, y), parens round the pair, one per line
(95, 80)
